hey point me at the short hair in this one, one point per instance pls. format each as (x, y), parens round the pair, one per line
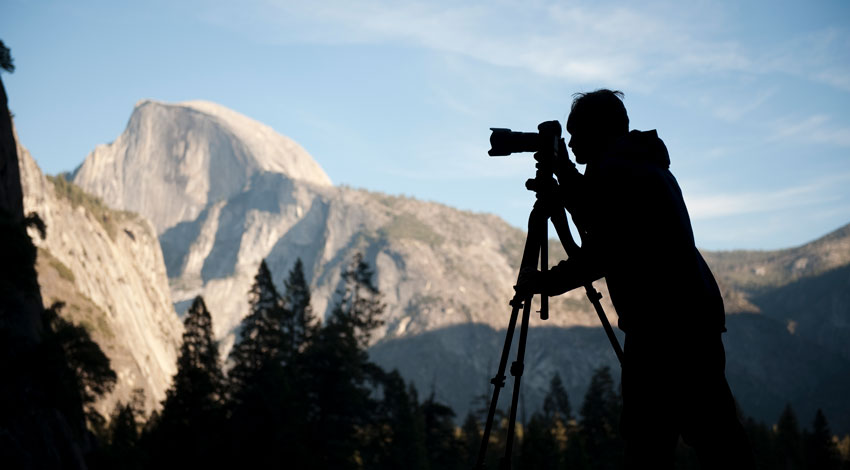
(602, 110)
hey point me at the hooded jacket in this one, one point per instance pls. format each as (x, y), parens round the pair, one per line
(637, 234)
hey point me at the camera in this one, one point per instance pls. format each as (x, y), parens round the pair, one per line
(505, 141)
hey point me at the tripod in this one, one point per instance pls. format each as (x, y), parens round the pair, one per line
(536, 244)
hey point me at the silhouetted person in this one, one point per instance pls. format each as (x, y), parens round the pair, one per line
(637, 234)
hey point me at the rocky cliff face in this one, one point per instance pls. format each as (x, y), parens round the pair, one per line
(435, 265)
(35, 430)
(175, 159)
(107, 267)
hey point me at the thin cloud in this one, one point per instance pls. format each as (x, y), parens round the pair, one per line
(452, 102)
(812, 194)
(733, 111)
(583, 42)
(820, 56)
(817, 128)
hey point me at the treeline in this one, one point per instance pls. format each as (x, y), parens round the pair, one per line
(302, 393)
(554, 439)
(298, 393)
(785, 445)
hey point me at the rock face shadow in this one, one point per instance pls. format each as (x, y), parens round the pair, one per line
(457, 363)
(767, 367)
(269, 194)
(174, 244)
(815, 307)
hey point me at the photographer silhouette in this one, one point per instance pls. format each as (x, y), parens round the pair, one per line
(637, 234)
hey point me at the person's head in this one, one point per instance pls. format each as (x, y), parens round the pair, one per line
(597, 119)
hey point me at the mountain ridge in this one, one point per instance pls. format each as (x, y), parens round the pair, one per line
(786, 265)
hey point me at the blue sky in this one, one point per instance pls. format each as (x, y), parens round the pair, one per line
(752, 98)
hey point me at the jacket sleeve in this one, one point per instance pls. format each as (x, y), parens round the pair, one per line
(573, 192)
(570, 274)
(601, 218)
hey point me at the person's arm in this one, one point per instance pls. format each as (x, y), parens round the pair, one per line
(583, 265)
(572, 188)
(582, 268)
(578, 270)
(590, 209)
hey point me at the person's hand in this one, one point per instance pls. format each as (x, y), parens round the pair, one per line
(547, 192)
(563, 167)
(530, 282)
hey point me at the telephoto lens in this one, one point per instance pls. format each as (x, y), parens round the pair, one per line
(505, 142)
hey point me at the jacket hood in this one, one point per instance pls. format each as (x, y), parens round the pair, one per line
(643, 146)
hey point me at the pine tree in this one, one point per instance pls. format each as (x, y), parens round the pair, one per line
(470, 437)
(556, 404)
(296, 298)
(121, 441)
(359, 307)
(788, 441)
(443, 447)
(396, 435)
(760, 437)
(264, 421)
(539, 449)
(339, 369)
(292, 384)
(820, 450)
(556, 409)
(193, 410)
(262, 334)
(196, 393)
(123, 431)
(6, 61)
(600, 422)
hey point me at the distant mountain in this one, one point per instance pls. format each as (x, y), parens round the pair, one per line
(767, 367)
(446, 274)
(788, 322)
(107, 267)
(172, 161)
(807, 288)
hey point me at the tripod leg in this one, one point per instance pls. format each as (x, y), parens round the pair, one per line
(498, 381)
(594, 297)
(517, 369)
(544, 266)
(529, 259)
(518, 366)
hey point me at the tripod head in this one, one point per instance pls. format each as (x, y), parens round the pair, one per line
(546, 143)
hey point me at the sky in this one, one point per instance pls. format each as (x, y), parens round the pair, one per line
(751, 98)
